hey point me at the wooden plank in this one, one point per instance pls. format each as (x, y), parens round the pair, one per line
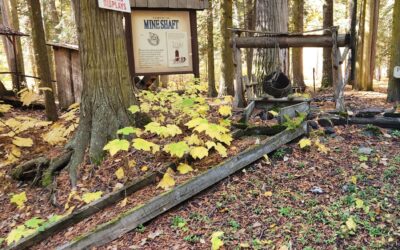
(84, 212)
(182, 4)
(76, 76)
(162, 203)
(63, 74)
(141, 3)
(293, 110)
(173, 3)
(238, 101)
(248, 111)
(158, 4)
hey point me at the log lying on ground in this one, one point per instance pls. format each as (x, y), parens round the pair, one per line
(162, 203)
(293, 110)
(85, 212)
(383, 122)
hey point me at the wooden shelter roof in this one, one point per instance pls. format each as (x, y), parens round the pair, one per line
(173, 4)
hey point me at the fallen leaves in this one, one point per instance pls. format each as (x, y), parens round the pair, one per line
(117, 145)
(167, 181)
(90, 197)
(22, 142)
(184, 168)
(216, 241)
(19, 200)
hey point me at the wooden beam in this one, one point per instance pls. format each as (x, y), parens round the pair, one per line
(162, 203)
(291, 41)
(383, 122)
(293, 110)
(84, 212)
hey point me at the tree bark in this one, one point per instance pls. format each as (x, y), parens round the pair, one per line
(366, 45)
(15, 26)
(212, 91)
(250, 25)
(297, 53)
(227, 68)
(394, 83)
(327, 73)
(8, 46)
(272, 16)
(107, 89)
(42, 59)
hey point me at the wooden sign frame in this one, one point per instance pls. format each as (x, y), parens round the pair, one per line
(194, 43)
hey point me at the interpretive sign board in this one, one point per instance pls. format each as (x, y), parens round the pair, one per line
(117, 5)
(162, 41)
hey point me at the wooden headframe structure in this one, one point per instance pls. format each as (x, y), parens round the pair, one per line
(286, 40)
(11, 36)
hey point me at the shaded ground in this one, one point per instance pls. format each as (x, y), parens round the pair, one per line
(268, 206)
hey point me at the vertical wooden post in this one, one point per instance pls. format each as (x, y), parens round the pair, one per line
(353, 41)
(339, 84)
(239, 100)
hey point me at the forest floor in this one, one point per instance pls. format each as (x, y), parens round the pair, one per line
(346, 198)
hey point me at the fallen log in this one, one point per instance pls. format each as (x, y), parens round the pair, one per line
(85, 212)
(293, 111)
(162, 203)
(383, 122)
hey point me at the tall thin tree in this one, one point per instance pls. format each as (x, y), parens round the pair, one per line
(394, 83)
(227, 67)
(297, 53)
(42, 59)
(212, 91)
(15, 25)
(327, 70)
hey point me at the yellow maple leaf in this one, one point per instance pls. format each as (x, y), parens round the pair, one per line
(268, 194)
(120, 173)
(19, 199)
(132, 163)
(225, 110)
(167, 181)
(321, 147)
(221, 149)
(304, 143)
(199, 152)
(193, 140)
(144, 168)
(216, 242)
(22, 142)
(5, 108)
(184, 168)
(351, 224)
(56, 135)
(90, 197)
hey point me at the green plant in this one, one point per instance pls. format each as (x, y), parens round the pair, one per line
(178, 222)
(278, 154)
(294, 123)
(141, 228)
(234, 225)
(286, 211)
(395, 133)
(192, 238)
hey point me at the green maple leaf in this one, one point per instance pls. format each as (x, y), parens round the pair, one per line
(18, 233)
(172, 130)
(141, 144)
(19, 199)
(199, 152)
(34, 223)
(129, 131)
(214, 130)
(134, 109)
(153, 127)
(177, 149)
(216, 242)
(225, 138)
(117, 145)
(89, 197)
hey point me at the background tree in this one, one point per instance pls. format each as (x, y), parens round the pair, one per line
(366, 44)
(297, 53)
(394, 84)
(42, 59)
(327, 73)
(107, 88)
(15, 25)
(227, 68)
(272, 16)
(212, 91)
(250, 25)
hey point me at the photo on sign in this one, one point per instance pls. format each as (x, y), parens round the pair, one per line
(178, 54)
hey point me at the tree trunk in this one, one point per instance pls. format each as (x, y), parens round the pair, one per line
(366, 45)
(272, 16)
(394, 84)
(297, 53)
(250, 25)
(327, 73)
(107, 89)
(15, 26)
(41, 58)
(212, 91)
(8, 46)
(227, 68)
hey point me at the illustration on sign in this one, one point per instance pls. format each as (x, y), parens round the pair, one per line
(118, 5)
(161, 41)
